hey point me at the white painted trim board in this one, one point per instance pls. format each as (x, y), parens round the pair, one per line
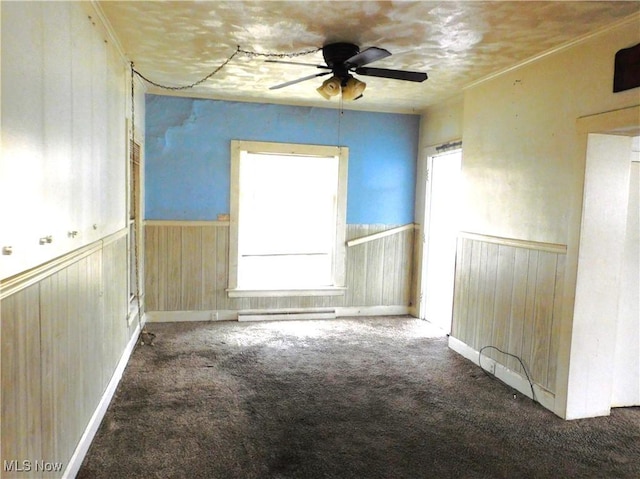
(230, 315)
(186, 316)
(380, 235)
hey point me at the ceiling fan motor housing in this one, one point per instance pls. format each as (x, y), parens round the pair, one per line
(335, 54)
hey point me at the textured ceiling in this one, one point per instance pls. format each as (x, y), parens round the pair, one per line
(456, 43)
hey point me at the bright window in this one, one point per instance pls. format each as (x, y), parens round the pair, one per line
(287, 219)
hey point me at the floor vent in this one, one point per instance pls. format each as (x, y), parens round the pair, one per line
(286, 315)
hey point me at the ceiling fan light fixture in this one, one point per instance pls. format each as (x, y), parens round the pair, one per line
(329, 88)
(353, 89)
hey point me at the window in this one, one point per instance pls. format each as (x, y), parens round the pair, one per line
(288, 214)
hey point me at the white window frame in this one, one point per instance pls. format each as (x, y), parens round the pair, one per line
(339, 267)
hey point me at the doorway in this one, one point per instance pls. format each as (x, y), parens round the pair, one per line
(440, 235)
(604, 362)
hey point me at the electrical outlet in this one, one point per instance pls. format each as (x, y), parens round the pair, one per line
(492, 368)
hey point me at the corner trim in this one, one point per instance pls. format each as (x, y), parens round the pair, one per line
(381, 234)
(517, 243)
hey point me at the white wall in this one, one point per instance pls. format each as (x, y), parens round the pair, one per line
(63, 132)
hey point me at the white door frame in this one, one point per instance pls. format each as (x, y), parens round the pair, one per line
(586, 350)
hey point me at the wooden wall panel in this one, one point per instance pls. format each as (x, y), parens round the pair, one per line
(554, 343)
(63, 335)
(70, 321)
(461, 287)
(356, 265)
(374, 261)
(55, 376)
(21, 378)
(508, 295)
(517, 307)
(474, 292)
(115, 306)
(208, 291)
(151, 268)
(187, 269)
(503, 295)
(191, 273)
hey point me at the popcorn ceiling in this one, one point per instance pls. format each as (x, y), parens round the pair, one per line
(456, 43)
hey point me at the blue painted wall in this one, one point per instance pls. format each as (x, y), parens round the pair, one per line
(187, 155)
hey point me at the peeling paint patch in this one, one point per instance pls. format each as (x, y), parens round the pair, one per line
(187, 156)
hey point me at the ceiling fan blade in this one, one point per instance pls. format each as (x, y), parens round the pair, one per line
(300, 64)
(366, 56)
(394, 74)
(293, 82)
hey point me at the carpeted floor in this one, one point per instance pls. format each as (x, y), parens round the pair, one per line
(349, 398)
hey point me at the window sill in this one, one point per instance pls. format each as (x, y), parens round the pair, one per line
(276, 293)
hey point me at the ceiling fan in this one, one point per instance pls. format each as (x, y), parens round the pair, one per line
(343, 59)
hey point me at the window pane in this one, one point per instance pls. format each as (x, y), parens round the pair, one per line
(300, 271)
(287, 207)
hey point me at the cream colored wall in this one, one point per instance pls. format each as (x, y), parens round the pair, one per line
(524, 160)
(522, 169)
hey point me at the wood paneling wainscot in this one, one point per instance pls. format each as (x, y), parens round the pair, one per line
(508, 294)
(186, 265)
(64, 330)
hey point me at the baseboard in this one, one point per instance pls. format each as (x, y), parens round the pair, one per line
(546, 398)
(372, 311)
(94, 423)
(303, 313)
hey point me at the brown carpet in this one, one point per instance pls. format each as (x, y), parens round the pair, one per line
(350, 398)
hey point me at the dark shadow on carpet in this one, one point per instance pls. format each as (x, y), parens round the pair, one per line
(349, 398)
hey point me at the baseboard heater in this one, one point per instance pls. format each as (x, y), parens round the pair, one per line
(284, 315)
